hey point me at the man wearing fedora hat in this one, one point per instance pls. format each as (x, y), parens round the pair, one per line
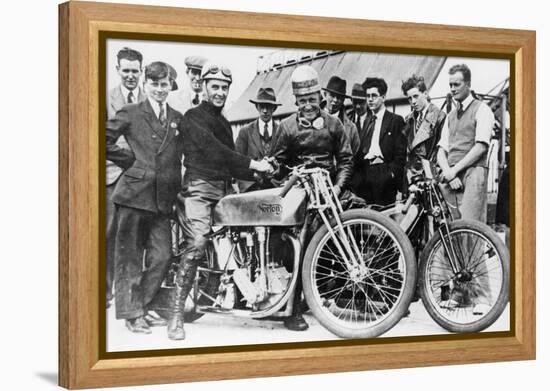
(318, 139)
(335, 95)
(360, 112)
(256, 138)
(191, 94)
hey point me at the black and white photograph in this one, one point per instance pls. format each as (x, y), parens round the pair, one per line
(267, 195)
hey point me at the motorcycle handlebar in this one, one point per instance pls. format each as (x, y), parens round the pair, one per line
(291, 181)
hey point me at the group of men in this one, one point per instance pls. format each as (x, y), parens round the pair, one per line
(152, 129)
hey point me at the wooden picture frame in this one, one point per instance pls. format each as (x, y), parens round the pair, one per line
(81, 362)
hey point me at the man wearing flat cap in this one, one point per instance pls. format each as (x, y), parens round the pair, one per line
(191, 94)
(144, 195)
(256, 138)
(335, 94)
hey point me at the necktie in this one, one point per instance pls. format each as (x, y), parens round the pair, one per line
(371, 121)
(358, 123)
(195, 100)
(130, 97)
(460, 110)
(162, 115)
(418, 122)
(265, 135)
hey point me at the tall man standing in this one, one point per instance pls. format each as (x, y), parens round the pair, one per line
(463, 147)
(317, 138)
(335, 95)
(129, 69)
(423, 124)
(255, 139)
(379, 165)
(144, 195)
(211, 162)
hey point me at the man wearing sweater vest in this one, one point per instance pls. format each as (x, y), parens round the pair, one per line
(463, 148)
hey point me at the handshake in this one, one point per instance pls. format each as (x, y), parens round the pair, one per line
(265, 165)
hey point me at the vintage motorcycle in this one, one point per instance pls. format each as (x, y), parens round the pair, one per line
(463, 264)
(358, 267)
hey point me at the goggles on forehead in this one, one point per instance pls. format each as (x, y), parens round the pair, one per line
(214, 69)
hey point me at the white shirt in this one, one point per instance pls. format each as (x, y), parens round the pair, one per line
(261, 126)
(156, 107)
(484, 124)
(375, 150)
(125, 92)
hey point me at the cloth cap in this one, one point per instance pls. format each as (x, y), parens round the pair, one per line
(195, 62)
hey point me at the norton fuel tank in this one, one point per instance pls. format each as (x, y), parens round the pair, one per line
(261, 207)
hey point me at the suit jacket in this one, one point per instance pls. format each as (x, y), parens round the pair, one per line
(392, 144)
(249, 143)
(152, 176)
(423, 143)
(115, 102)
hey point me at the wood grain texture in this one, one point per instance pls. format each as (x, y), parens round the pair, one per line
(80, 365)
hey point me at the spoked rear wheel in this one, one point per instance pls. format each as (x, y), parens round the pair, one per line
(475, 297)
(368, 299)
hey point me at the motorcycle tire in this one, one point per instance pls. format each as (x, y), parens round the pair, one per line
(451, 299)
(368, 300)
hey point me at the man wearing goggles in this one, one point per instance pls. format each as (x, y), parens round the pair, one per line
(211, 162)
(315, 137)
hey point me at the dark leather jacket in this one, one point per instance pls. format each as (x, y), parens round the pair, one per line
(327, 147)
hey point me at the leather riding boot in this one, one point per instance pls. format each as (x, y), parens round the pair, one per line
(184, 283)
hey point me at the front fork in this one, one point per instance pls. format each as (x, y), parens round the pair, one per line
(326, 199)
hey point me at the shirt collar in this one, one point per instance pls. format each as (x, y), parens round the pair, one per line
(380, 113)
(466, 102)
(125, 91)
(261, 125)
(156, 107)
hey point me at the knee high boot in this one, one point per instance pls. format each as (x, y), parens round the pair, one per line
(184, 283)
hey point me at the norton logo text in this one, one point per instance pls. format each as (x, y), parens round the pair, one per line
(271, 208)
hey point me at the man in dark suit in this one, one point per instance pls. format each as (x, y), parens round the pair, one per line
(129, 68)
(255, 139)
(335, 95)
(360, 112)
(380, 162)
(145, 194)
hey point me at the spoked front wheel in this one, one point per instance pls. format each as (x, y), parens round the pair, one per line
(472, 297)
(365, 297)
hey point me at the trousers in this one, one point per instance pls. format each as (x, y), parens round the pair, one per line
(469, 202)
(137, 282)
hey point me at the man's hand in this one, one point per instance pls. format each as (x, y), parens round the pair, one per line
(261, 166)
(449, 174)
(455, 184)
